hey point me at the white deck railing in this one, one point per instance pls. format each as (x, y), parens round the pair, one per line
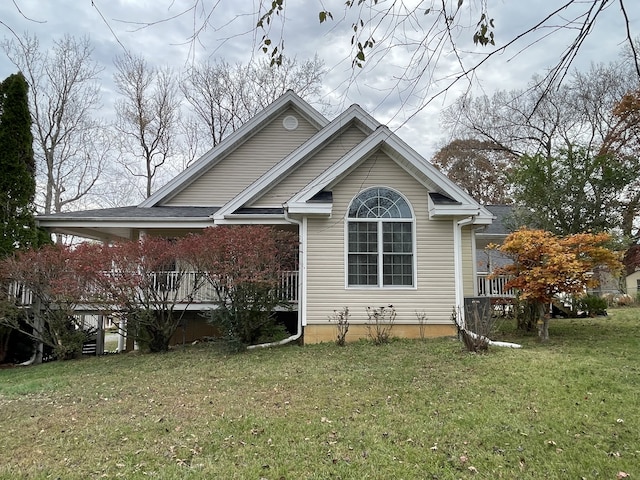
(181, 289)
(205, 293)
(494, 286)
(19, 294)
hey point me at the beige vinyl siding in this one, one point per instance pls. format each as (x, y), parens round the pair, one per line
(326, 291)
(313, 167)
(245, 164)
(632, 284)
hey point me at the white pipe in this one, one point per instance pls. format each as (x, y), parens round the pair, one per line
(31, 360)
(301, 283)
(493, 342)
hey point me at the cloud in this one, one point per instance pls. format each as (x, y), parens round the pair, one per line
(162, 31)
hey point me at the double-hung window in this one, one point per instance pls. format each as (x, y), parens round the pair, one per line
(380, 240)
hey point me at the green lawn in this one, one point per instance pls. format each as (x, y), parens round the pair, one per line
(569, 409)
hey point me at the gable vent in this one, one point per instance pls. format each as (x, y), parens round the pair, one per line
(290, 122)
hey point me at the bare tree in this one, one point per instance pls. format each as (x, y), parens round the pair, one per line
(64, 101)
(224, 96)
(462, 35)
(538, 120)
(148, 116)
(585, 132)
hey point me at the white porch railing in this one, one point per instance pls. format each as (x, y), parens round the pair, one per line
(493, 287)
(205, 293)
(19, 294)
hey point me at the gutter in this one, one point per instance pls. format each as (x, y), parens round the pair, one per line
(459, 274)
(301, 291)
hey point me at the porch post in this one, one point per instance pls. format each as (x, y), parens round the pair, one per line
(122, 334)
(100, 336)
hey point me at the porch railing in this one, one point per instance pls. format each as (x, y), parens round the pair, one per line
(19, 295)
(182, 289)
(205, 293)
(494, 286)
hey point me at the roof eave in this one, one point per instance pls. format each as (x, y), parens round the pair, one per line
(302, 208)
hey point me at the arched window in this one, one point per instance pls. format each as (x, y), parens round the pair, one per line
(380, 240)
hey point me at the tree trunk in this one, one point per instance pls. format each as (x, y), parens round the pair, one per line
(5, 334)
(543, 322)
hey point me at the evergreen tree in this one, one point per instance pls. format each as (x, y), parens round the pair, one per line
(17, 167)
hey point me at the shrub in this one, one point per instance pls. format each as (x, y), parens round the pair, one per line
(624, 300)
(472, 341)
(592, 305)
(341, 319)
(380, 322)
(422, 323)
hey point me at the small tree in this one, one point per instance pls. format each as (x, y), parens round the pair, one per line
(150, 282)
(545, 265)
(244, 265)
(53, 278)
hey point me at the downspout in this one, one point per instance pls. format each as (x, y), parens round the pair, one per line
(302, 283)
(459, 280)
(459, 272)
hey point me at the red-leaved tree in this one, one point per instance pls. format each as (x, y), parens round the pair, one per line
(545, 265)
(150, 283)
(46, 287)
(245, 265)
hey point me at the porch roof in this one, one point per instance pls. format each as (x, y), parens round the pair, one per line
(121, 222)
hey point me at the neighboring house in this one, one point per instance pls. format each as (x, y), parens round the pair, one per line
(378, 225)
(488, 259)
(633, 284)
(632, 269)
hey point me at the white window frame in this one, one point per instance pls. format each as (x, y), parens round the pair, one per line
(380, 250)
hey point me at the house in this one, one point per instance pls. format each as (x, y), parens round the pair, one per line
(378, 225)
(632, 270)
(633, 283)
(488, 259)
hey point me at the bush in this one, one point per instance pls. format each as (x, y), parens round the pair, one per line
(243, 323)
(341, 319)
(592, 305)
(624, 300)
(380, 322)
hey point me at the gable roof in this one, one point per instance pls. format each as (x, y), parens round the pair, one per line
(229, 143)
(459, 202)
(354, 114)
(445, 198)
(499, 227)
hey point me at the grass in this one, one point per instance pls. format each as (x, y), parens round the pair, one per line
(404, 410)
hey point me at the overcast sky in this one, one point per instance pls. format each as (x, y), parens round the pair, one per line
(114, 25)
